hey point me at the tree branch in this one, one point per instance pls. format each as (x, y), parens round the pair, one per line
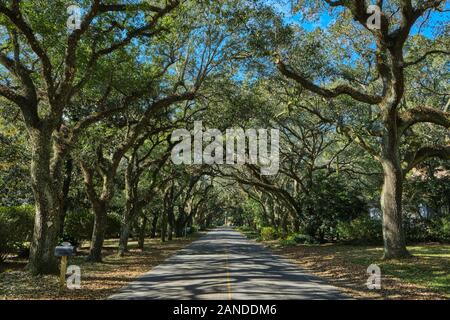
(23, 75)
(325, 92)
(425, 153)
(411, 63)
(17, 19)
(141, 31)
(423, 114)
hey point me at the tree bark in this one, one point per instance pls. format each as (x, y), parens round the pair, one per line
(170, 230)
(99, 207)
(141, 240)
(163, 227)
(124, 234)
(296, 223)
(179, 227)
(284, 222)
(130, 205)
(154, 225)
(171, 222)
(47, 203)
(127, 218)
(98, 232)
(391, 195)
(65, 193)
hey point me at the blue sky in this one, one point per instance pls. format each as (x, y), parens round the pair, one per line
(322, 21)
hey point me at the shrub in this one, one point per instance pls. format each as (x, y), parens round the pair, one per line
(193, 229)
(246, 229)
(78, 226)
(360, 230)
(268, 233)
(16, 229)
(113, 223)
(301, 238)
(288, 242)
(4, 243)
(440, 228)
(417, 229)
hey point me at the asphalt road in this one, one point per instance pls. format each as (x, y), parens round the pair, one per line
(226, 265)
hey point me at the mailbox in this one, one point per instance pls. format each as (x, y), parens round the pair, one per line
(64, 251)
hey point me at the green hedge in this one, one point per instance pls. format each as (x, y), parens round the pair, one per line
(78, 225)
(440, 229)
(360, 230)
(269, 233)
(113, 222)
(16, 229)
(298, 238)
(193, 229)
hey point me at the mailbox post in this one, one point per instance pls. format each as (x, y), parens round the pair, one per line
(63, 251)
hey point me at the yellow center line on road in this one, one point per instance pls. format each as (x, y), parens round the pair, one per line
(228, 276)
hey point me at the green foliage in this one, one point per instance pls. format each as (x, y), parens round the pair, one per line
(269, 233)
(193, 229)
(440, 228)
(113, 221)
(245, 229)
(428, 190)
(298, 238)
(416, 229)
(360, 230)
(78, 225)
(16, 228)
(14, 157)
(301, 238)
(330, 200)
(288, 242)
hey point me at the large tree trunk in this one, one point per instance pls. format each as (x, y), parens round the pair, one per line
(98, 232)
(124, 234)
(130, 207)
(208, 221)
(154, 225)
(141, 241)
(171, 223)
(47, 203)
(170, 231)
(163, 227)
(179, 227)
(181, 222)
(284, 224)
(391, 195)
(125, 227)
(99, 205)
(296, 223)
(65, 193)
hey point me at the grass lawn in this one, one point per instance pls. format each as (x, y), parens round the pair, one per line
(424, 276)
(98, 280)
